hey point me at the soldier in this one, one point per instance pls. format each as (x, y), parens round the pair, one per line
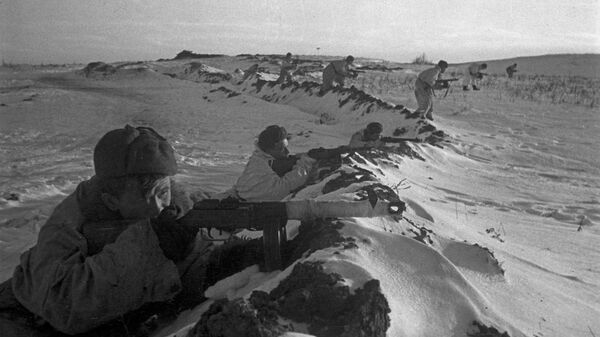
(473, 74)
(367, 137)
(510, 70)
(287, 66)
(261, 180)
(336, 71)
(424, 86)
(73, 281)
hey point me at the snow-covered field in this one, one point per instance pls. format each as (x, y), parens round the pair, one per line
(502, 216)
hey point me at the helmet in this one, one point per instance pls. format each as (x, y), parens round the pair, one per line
(374, 128)
(271, 135)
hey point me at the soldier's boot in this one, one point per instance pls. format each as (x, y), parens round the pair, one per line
(465, 88)
(475, 87)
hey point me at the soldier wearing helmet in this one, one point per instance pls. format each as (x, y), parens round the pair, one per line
(74, 281)
(336, 71)
(424, 86)
(368, 137)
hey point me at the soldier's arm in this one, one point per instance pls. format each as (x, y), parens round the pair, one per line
(74, 292)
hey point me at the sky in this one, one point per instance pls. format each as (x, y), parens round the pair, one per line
(81, 31)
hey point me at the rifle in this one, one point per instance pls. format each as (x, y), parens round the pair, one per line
(444, 84)
(480, 75)
(330, 157)
(396, 140)
(323, 153)
(269, 217)
(354, 72)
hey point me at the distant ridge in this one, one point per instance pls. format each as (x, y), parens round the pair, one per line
(585, 65)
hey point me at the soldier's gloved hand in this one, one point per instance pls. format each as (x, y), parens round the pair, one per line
(306, 162)
(174, 239)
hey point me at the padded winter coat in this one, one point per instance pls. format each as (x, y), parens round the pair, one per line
(75, 291)
(429, 76)
(259, 182)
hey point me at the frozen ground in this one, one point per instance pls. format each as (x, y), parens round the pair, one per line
(507, 208)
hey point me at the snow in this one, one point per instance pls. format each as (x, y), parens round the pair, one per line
(508, 209)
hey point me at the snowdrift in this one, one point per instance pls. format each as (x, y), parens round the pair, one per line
(391, 276)
(500, 223)
(337, 105)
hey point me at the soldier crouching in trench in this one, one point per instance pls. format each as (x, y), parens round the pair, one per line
(98, 284)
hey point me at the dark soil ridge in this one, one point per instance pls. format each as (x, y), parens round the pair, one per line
(351, 97)
(354, 96)
(308, 295)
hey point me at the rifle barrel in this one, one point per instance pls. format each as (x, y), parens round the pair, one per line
(256, 214)
(398, 140)
(312, 209)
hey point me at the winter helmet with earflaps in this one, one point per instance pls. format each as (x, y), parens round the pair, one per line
(271, 135)
(374, 128)
(133, 150)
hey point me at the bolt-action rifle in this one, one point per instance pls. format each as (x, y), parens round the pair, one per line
(271, 217)
(268, 217)
(444, 84)
(480, 75)
(397, 140)
(354, 72)
(327, 157)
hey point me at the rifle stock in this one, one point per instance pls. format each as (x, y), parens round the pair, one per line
(323, 153)
(398, 140)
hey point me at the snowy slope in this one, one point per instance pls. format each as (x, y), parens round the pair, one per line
(494, 201)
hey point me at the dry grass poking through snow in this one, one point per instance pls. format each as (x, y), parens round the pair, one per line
(552, 89)
(575, 90)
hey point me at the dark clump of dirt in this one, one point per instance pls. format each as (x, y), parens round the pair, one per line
(485, 331)
(316, 235)
(260, 84)
(307, 86)
(309, 296)
(359, 97)
(491, 258)
(312, 296)
(420, 233)
(230, 93)
(381, 191)
(405, 150)
(346, 179)
(253, 318)
(99, 67)
(186, 54)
